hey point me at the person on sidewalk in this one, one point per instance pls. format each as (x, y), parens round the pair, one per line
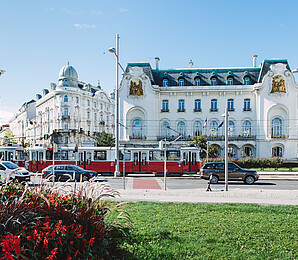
(209, 183)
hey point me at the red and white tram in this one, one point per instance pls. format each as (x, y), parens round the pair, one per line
(132, 159)
(15, 154)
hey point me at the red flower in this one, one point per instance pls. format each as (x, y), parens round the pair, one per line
(71, 243)
(91, 241)
(60, 228)
(28, 237)
(52, 254)
(76, 253)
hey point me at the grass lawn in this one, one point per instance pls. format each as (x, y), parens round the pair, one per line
(213, 231)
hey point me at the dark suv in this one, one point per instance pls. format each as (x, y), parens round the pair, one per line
(235, 173)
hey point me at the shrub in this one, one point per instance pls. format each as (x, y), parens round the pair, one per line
(48, 223)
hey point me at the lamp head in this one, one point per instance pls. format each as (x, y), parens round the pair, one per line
(295, 70)
(112, 50)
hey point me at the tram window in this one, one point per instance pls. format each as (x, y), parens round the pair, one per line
(135, 158)
(185, 158)
(40, 156)
(127, 155)
(10, 156)
(144, 158)
(89, 158)
(194, 158)
(100, 155)
(1, 155)
(64, 156)
(156, 155)
(71, 155)
(120, 156)
(20, 155)
(49, 155)
(33, 155)
(173, 155)
(81, 158)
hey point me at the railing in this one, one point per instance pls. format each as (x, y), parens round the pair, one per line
(232, 138)
(279, 136)
(197, 110)
(164, 110)
(64, 117)
(213, 109)
(180, 110)
(132, 137)
(173, 137)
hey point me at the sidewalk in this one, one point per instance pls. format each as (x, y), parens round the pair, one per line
(258, 196)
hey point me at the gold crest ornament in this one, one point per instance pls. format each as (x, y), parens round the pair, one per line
(136, 87)
(278, 84)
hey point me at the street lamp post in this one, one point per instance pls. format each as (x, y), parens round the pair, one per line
(226, 149)
(116, 52)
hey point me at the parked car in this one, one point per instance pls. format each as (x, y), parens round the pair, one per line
(67, 171)
(235, 172)
(7, 167)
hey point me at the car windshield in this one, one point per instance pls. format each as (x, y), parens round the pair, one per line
(49, 168)
(79, 168)
(10, 165)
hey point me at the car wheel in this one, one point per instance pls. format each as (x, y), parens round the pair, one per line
(85, 178)
(249, 180)
(214, 179)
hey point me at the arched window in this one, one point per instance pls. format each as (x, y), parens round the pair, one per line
(213, 128)
(213, 81)
(197, 81)
(247, 151)
(65, 98)
(213, 104)
(197, 105)
(181, 82)
(231, 104)
(77, 100)
(246, 80)
(276, 130)
(231, 128)
(164, 129)
(230, 81)
(232, 151)
(181, 128)
(165, 82)
(246, 128)
(277, 151)
(137, 128)
(197, 128)
(65, 112)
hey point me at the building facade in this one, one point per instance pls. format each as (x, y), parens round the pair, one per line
(72, 110)
(262, 102)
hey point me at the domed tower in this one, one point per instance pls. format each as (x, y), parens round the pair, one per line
(68, 76)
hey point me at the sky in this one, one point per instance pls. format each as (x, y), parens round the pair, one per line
(39, 37)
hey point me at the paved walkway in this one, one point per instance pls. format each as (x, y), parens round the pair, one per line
(151, 190)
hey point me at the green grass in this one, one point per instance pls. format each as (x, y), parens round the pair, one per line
(213, 231)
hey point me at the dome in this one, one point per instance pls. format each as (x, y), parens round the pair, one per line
(68, 72)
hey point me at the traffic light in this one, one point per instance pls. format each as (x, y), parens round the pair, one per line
(76, 149)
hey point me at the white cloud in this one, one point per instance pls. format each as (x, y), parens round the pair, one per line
(5, 116)
(123, 10)
(84, 26)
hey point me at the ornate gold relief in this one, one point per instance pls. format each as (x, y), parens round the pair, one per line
(278, 84)
(136, 87)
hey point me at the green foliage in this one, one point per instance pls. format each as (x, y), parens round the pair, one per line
(39, 223)
(201, 141)
(213, 231)
(105, 139)
(8, 138)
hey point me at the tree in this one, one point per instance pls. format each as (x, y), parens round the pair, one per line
(8, 138)
(201, 141)
(105, 139)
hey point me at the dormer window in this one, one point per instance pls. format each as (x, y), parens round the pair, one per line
(213, 81)
(65, 98)
(77, 100)
(181, 82)
(165, 82)
(230, 81)
(246, 80)
(197, 81)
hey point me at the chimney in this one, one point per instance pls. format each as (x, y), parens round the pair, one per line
(254, 60)
(157, 62)
(190, 63)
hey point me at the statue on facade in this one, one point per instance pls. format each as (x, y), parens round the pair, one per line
(278, 84)
(136, 87)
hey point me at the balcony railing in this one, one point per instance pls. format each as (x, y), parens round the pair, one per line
(65, 117)
(173, 137)
(133, 137)
(246, 109)
(279, 136)
(164, 110)
(197, 110)
(180, 110)
(213, 109)
(232, 138)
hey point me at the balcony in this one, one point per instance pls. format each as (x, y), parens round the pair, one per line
(231, 109)
(279, 136)
(213, 109)
(164, 110)
(180, 110)
(132, 137)
(246, 109)
(197, 110)
(173, 137)
(65, 117)
(232, 138)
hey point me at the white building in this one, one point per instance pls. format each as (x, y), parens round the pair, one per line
(74, 110)
(262, 104)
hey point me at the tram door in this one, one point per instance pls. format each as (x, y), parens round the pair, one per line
(84, 159)
(189, 161)
(140, 163)
(37, 161)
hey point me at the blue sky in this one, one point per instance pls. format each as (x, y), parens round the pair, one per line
(40, 37)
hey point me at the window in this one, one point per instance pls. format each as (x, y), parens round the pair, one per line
(77, 100)
(66, 126)
(88, 103)
(213, 128)
(247, 151)
(181, 82)
(276, 130)
(246, 81)
(181, 128)
(100, 155)
(231, 128)
(232, 151)
(231, 104)
(164, 129)
(65, 98)
(94, 116)
(230, 81)
(181, 105)
(165, 83)
(277, 151)
(137, 128)
(197, 105)
(95, 104)
(246, 104)
(165, 105)
(213, 104)
(197, 128)
(213, 81)
(66, 140)
(88, 115)
(65, 112)
(246, 128)
(197, 82)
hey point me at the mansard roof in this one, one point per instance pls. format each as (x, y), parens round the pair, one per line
(255, 74)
